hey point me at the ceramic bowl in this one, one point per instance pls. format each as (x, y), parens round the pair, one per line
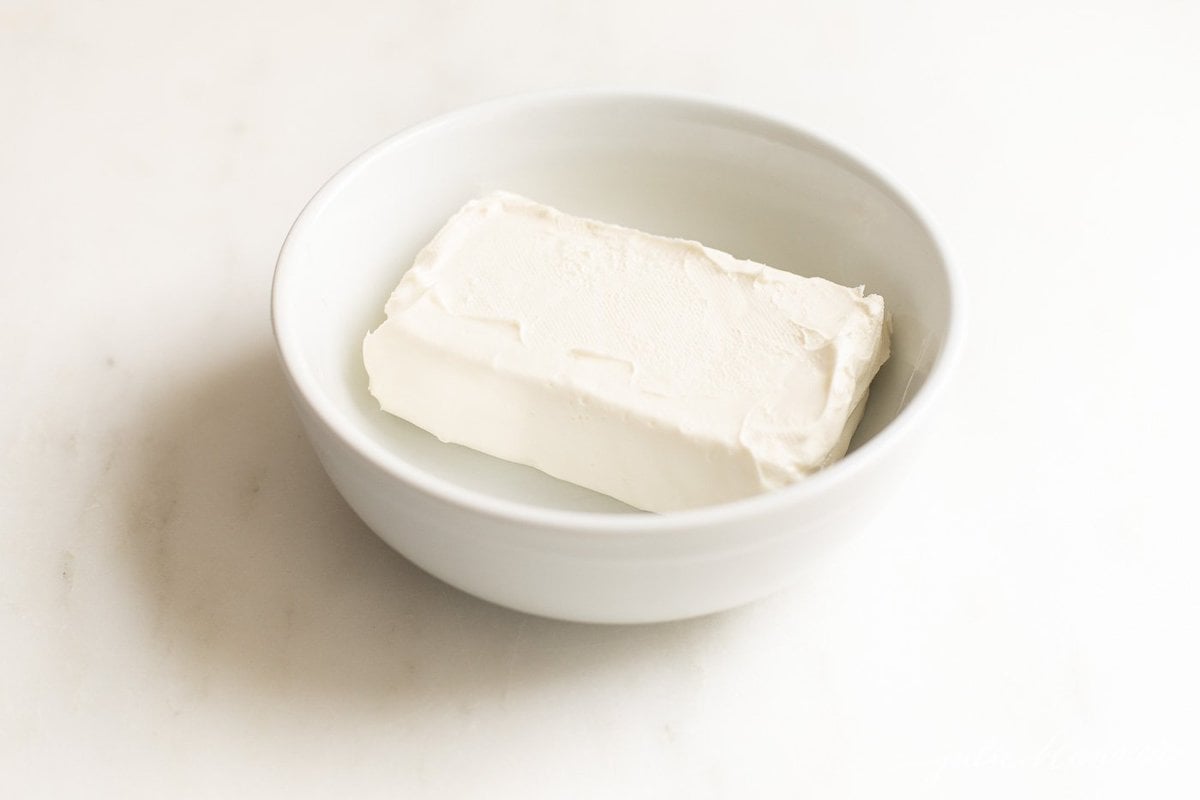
(757, 187)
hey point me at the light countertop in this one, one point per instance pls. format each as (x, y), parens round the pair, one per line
(188, 609)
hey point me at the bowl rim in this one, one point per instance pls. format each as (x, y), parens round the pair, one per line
(307, 387)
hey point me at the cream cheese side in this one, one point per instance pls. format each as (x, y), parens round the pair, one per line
(655, 370)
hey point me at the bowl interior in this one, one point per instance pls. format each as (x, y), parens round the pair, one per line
(749, 186)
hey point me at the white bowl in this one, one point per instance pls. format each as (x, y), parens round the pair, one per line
(756, 187)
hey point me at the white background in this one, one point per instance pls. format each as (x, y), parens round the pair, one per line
(188, 609)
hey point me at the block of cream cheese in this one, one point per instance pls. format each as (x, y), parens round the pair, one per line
(655, 370)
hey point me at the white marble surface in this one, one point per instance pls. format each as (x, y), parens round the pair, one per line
(187, 609)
